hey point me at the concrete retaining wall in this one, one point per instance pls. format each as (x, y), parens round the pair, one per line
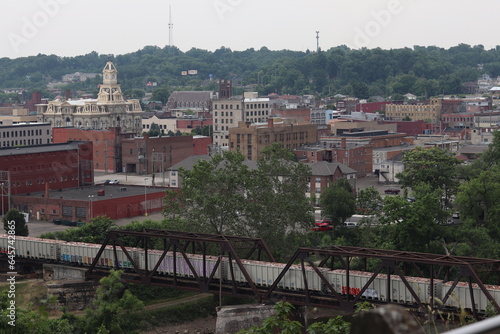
(231, 319)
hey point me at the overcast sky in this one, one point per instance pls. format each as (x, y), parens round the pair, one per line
(77, 27)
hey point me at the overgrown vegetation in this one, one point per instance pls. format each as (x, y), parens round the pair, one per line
(423, 71)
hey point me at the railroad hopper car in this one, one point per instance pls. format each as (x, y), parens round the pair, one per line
(261, 273)
(28, 247)
(84, 254)
(460, 297)
(265, 273)
(166, 266)
(378, 288)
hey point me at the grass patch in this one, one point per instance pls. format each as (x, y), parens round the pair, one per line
(28, 293)
(182, 313)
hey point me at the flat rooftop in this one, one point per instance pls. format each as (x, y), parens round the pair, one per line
(110, 191)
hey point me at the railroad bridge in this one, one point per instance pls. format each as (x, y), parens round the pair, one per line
(335, 277)
(399, 266)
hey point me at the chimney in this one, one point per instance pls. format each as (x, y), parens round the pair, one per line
(67, 94)
(270, 122)
(343, 143)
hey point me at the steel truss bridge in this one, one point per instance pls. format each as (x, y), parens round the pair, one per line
(390, 262)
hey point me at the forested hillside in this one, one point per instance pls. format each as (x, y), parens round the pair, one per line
(423, 71)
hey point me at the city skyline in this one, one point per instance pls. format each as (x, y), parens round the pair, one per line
(77, 27)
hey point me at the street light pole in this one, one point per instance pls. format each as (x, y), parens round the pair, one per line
(90, 207)
(3, 212)
(145, 198)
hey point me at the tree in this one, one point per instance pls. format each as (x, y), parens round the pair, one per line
(115, 308)
(225, 196)
(435, 167)
(338, 202)
(368, 200)
(278, 210)
(161, 94)
(94, 232)
(212, 194)
(15, 221)
(413, 226)
(281, 323)
(154, 130)
(479, 200)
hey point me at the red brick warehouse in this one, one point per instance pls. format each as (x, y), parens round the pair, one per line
(39, 168)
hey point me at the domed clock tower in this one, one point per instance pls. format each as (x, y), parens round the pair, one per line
(110, 91)
(110, 109)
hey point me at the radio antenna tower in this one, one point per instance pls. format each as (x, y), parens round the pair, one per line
(170, 26)
(317, 41)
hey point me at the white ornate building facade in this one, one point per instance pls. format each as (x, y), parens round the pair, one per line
(110, 109)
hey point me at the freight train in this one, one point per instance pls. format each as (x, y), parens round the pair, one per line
(262, 273)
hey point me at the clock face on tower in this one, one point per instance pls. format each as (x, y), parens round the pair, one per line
(112, 76)
(107, 76)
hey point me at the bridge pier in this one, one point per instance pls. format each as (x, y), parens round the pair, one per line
(56, 272)
(69, 286)
(232, 319)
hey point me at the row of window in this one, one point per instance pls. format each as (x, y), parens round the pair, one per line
(222, 120)
(39, 141)
(227, 113)
(257, 113)
(160, 126)
(43, 180)
(226, 106)
(23, 133)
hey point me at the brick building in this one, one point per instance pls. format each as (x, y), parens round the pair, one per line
(194, 100)
(250, 139)
(430, 111)
(229, 111)
(411, 128)
(372, 107)
(323, 174)
(38, 168)
(147, 155)
(106, 145)
(25, 134)
(354, 153)
(84, 203)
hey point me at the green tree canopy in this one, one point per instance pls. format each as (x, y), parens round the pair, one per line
(338, 202)
(230, 195)
(15, 221)
(115, 310)
(435, 167)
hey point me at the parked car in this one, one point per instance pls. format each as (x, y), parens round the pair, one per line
(114, 182)
(392, 191)
(456, 215)
(106, 182)
(322, 225)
